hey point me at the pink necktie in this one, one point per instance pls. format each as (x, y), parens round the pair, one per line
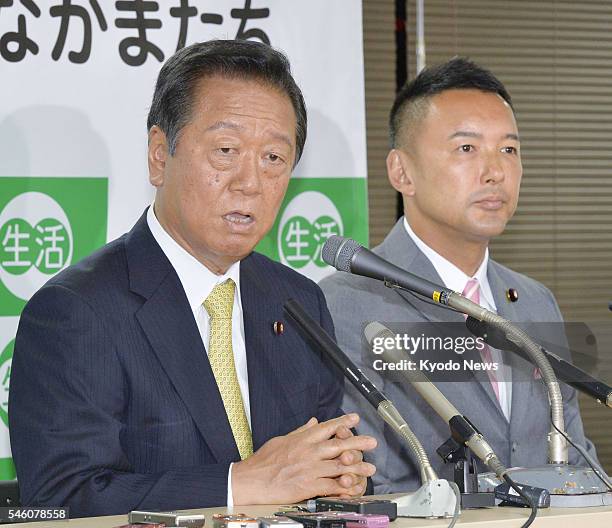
(472, 292)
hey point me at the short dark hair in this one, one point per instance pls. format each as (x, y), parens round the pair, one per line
(456, 74)
(173, 99)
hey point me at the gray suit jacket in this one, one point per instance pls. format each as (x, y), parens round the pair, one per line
(354, 301)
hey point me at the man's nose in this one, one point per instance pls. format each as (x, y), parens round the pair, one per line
(247, 178)
(493, 170)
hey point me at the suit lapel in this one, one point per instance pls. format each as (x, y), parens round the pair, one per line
(522, 392)
(167, 321)
(399, 249)
(269, 369)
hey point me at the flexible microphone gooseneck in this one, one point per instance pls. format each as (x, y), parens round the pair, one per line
(565, 371)
(384, 407)
(437, 401)
(347, 255)
(461, 428)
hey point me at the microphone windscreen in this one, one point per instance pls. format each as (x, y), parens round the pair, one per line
(330, 248)
(376, 329)
(338, 252)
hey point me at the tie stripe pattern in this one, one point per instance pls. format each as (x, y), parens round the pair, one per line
(219, 305)
(472, 292)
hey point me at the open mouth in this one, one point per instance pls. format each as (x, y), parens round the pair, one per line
(238, 218)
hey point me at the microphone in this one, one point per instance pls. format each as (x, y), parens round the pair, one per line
(384, 407)
(460, 426)
(347, 255)
(436, 497)
(565, 371)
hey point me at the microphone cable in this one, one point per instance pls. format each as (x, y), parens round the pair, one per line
(457, 511)
(507, 478)
(594, 466)
(526, 498)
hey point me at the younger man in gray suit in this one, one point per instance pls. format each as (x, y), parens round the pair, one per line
(456, 161)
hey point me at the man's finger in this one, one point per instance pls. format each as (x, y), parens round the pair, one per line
(356, 491)
(333, 468)
(351, 457)
(329, 487)
(344, 433)
(310, 423)
(350, 480)
(327, 429)
(328, 449)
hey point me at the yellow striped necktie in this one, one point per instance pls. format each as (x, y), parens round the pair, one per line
(219, 305)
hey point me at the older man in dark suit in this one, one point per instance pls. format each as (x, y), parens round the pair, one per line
(153, 375)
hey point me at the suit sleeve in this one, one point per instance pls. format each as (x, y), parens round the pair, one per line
(67, 401)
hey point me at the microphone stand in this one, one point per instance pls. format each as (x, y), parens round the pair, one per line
(569, 486)
(347, 255)
(436, 497)
(465, 474)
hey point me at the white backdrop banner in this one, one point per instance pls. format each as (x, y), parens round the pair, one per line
(76, 81)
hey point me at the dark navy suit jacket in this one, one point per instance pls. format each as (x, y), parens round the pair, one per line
(113, 404)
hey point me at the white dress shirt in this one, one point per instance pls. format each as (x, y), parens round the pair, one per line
(456, 280)
(198, 282)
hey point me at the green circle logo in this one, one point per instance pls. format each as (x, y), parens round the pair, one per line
(6, 360)
(45, 246)
(301, 241)
(36, 242)
(309, 219)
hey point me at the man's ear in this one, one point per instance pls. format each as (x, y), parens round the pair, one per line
(157, 156)
(400, 172)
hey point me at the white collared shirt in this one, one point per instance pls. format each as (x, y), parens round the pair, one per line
(198, 282)
(456, 280)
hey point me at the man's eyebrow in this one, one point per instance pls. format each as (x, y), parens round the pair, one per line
(282, 137)
(464, 133)
(224, 124)
(467, 133)
(235, 126)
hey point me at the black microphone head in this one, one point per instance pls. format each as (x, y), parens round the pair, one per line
(330, 248)
(490, 334)
(478, 328)
(338, 252)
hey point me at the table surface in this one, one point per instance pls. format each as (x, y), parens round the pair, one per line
(496, 517)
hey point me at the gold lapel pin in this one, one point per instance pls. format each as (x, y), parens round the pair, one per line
(512, 294)
(278, 327)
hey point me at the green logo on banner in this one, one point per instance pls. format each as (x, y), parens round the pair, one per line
(7, 468)
(6, 359)
(313, 210)
(301, 241)
(46, 246)
(46, 224)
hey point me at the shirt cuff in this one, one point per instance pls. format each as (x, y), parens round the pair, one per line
(230, 496)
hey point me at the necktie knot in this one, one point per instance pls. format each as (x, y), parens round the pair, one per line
(220, 301)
